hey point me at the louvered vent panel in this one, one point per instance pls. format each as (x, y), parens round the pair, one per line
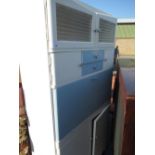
(107, 31)
(73, 25)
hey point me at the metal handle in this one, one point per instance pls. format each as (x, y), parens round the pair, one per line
(95, 56)
(97, 30)
(94, 68)
(105, 60)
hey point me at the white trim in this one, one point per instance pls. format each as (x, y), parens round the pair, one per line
(97, 11)
(125, 20)
(70, 45)
(50, 11)
(94, 131)
(73, 4)
(82, 78)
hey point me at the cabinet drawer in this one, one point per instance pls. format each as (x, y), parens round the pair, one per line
(101, 55)
(89, 56)
(92, 67)
(92, 56)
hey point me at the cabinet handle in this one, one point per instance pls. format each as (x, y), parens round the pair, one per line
(95, 56)
(105, 60)
(97, 30)
(94, 68)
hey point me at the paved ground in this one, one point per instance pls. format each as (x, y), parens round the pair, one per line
(126, 62)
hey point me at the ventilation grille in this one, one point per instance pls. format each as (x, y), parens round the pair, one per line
(72, 25)
(107, 31)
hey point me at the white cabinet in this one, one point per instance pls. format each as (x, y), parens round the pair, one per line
(79, 39)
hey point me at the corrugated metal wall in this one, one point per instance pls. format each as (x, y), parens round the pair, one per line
(125, 31)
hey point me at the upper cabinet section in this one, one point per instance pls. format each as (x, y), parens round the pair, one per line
(73, 25)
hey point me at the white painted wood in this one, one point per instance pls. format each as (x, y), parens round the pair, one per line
(35, 77)
(112, 20)
(67, 67)
(64, 65)
(50, 20)
(107, 18)
(100, 132)
(52, 29)
(89, 7)
(109, 58)
(72, 4)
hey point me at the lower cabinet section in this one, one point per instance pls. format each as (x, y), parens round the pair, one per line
(78, 142)
(80, 110)
(89, 138)
(76, 101)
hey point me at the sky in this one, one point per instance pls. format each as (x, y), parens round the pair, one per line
(118, 8)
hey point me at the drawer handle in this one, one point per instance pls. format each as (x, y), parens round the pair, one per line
(81, 64)
(95, 56)
(94, 68)
(105, 60)
(92, 62)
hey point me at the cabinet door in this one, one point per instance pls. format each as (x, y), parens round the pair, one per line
(105, 27)
(100, 133)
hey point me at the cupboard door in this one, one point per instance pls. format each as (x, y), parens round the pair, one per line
(100, 133)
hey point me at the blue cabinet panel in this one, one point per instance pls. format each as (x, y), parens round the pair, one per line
(101, 55)
(89, 56)
(92, 67)
(92, 56)
(78, 100)
(92, 61)
(99, 65)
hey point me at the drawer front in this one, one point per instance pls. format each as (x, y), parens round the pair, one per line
(92, 56)
(91, 68)
(101, 55)
(89, 56)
